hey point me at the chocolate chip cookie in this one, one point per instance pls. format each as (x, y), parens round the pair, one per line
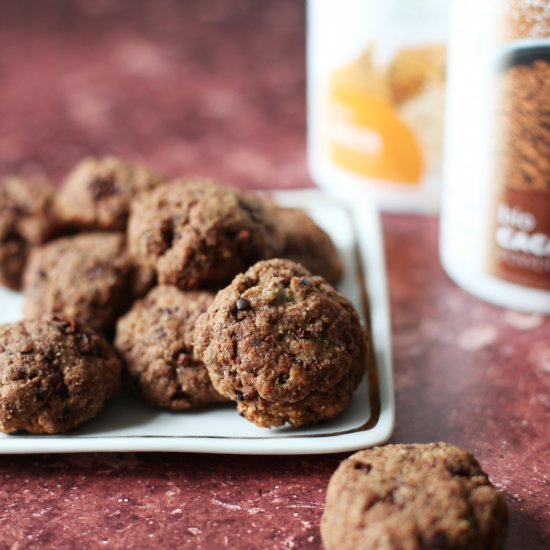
(199, 234)
(26, 220)
(155, 339)
(283, 344)
(55, 374)
(96, 195)
(307, 244)
(411, 497)
(88, 277)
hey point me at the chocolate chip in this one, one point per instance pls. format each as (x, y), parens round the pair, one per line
(239, 396)
(281, 379)
(27, 348)
(305, 281)
(182, 359)
(84, 343)
(252, 211)
(66, 326)
(102, 187)
(50, 356)
(459, 471)
(243, 304)
(167, 233)
(179, 395)
(363, 467)
(286, 281)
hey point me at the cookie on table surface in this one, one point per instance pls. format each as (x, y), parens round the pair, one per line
(89, 277)
(26, 220)
(55, 374)
(200, 234)
(96, 195)
(283, 344)
(411, 497)
(309, 245)
(155, 339)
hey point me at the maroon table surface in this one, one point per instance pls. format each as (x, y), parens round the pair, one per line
(217, 88)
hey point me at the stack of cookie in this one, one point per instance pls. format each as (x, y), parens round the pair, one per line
(181, 277)
(186, 279)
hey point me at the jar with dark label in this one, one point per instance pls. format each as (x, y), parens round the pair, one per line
(495, 228)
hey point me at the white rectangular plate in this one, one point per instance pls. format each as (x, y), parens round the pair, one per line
(126, 424)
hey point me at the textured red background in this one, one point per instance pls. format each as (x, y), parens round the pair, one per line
(217, 88)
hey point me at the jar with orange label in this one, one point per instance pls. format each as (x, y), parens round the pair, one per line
(376, 97)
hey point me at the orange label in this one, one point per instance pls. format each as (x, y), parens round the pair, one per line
(367, 136)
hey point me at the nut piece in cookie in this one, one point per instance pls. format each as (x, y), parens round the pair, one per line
(55, 374)
(26, 220)
(413, 497)
(283, 344)
(199, 234)
(306, 243)
(88, 277)
(96, 195)
(155, 339)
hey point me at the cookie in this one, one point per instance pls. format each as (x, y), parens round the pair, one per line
(155, 339)
(96, 195)
(306, 243)
(283, 344)
(26, 220)
(88, 277)
(55, 374)
(411, 497)
(199, 234)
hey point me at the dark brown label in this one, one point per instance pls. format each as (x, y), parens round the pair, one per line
(520, 240)
(520, 235)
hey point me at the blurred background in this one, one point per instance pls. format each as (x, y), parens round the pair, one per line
(163, 82)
